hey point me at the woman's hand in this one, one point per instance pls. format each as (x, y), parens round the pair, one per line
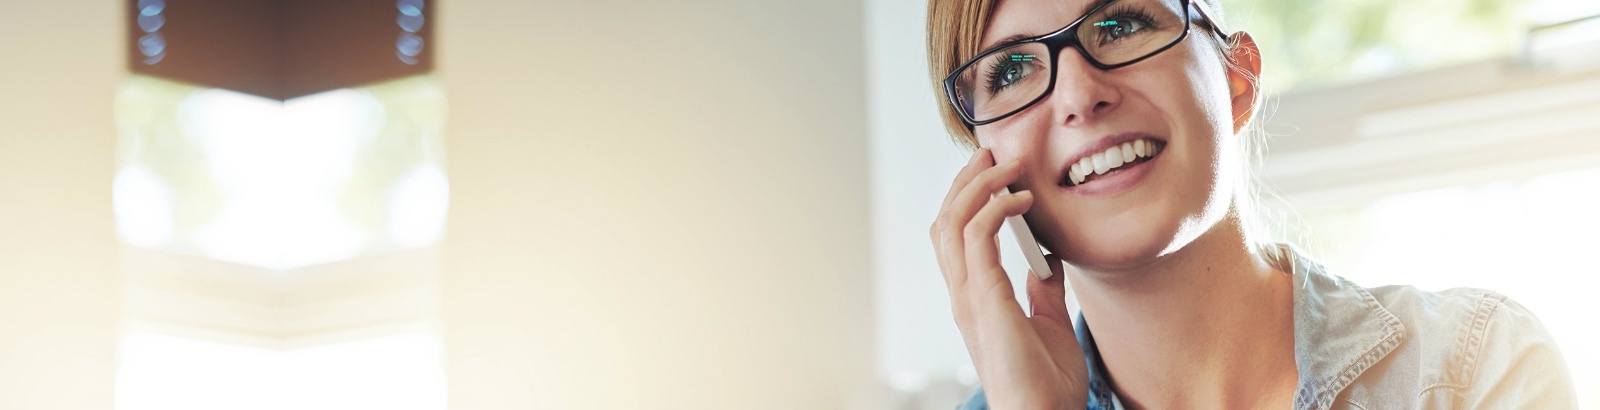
(1023, 362)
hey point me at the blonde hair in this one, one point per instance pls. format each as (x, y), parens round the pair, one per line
(955, 31)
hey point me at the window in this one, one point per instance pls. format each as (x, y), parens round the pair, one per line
(265, 232)
(1530, 239)
(1330, 42)
(280, 185)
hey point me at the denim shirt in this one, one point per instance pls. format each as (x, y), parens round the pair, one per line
(1396, 347)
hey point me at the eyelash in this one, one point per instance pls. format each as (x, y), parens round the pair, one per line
(1122, 12)
(1134, 13)
(1000, 61)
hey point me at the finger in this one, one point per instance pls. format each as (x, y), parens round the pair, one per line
(981, 160)
(978, 192)
(956, 215)
(984, 274)
(1047, 298)
(947, 247)
(944, 228)
(1052, 321)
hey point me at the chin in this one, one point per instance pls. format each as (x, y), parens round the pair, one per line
(1107, 255)
(1113, 246)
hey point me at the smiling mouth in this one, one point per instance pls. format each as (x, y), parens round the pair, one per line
(1112, 160)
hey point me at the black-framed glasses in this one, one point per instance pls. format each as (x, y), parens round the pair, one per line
(1010, 77)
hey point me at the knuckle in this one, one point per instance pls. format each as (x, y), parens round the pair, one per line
(996, 175)
(979, 228)
(972, 233)
(948, 234)
(979, 186)
(999, 290)
(940, 224)
(986, 178)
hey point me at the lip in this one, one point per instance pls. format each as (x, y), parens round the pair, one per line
(1116, 182)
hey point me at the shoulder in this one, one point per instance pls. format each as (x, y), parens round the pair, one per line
(1468, 347)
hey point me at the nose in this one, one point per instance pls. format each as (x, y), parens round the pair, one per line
(1081, 93)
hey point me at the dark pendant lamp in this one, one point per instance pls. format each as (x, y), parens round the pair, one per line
(280, 49)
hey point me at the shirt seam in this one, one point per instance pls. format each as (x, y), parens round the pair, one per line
(1469, 344)
(1468, 347)
(1371, 355)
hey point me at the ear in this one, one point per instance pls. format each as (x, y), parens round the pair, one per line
(1245, 64)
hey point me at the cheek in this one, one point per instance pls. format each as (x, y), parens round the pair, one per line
(1202, 141)
(1194, 97)
(1209, 125)
(1211, 156)
(1020, 136)
(1206, 90)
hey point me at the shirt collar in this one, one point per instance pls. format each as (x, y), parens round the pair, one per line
(1340, 330)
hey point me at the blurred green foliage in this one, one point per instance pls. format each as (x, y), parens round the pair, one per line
(1315, 43)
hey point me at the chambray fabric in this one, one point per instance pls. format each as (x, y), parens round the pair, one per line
(1397, 347)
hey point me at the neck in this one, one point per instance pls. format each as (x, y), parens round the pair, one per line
(1210, 325)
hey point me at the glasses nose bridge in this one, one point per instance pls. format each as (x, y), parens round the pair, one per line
(1069, 61)
(1066, 38)
(1075, 79)
(1063, 43)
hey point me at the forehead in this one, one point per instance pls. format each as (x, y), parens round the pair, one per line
(1015, 19)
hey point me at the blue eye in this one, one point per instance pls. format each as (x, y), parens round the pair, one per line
(1008, 69)
(1121, 24)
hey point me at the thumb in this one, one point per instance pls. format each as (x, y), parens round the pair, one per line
(1048, 297)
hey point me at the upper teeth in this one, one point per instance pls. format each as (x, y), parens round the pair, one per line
(1110, 159)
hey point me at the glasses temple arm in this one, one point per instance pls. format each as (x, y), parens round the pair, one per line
(1200, 7)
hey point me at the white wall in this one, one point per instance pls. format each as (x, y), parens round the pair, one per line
(58, 286)
(656, 205)
(913, 161)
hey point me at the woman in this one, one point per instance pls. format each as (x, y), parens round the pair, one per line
(1121, 126)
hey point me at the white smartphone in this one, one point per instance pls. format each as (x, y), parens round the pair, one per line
(1030, 246)
(1035, 256)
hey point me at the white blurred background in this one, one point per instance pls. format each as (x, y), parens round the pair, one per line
(712, 204)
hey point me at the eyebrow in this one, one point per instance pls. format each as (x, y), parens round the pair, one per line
(1014, 37)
